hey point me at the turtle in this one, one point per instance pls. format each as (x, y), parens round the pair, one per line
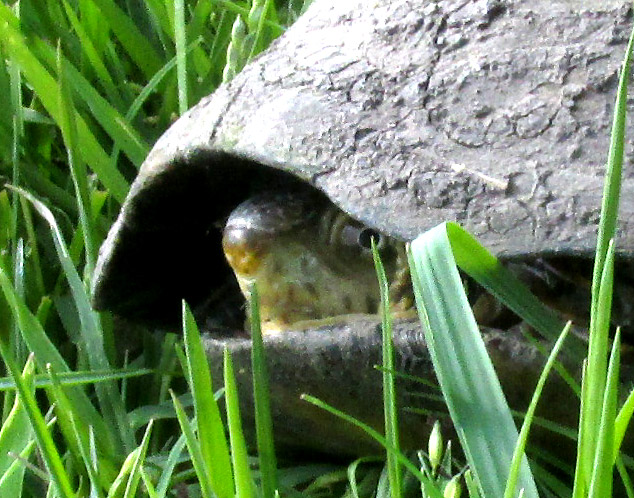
(395, 116)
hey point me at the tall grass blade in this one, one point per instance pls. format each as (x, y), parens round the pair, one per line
(77, 168)
(211, 433)
(181, 54)
(92, 336)
(195, 451)
(134, 42)
(612, 185)
(263, 421)
(602, 285)
(15, 436)
(21, 53)
(601, 483)
(135, 474)
(581, 478)
(595, 374)
(77, 436)
(169, 466)
(51, 456)
(471, 388)
(390, 409)
(239, 457)
(511, 483)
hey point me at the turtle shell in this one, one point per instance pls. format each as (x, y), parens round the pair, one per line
(496, 115)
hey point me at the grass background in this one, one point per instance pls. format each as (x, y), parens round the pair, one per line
(88, 86)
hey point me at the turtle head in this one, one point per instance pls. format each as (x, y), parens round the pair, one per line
(310, 261)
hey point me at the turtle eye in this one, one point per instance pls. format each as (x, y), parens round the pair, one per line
(360, 237)
(365, 239)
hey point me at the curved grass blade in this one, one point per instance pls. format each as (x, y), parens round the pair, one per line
(263, 421)
(15, 435)
(194, 449)
(135, 473)
(211, 433)
(427, 484)
(91, 333)
(43, 435)
(46, 87)
(465, 372)
(511, 483)
(45, 352)
(489, 272)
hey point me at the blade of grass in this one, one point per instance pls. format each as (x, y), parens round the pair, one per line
(80, 378)
(195, 451)
(601, 296)
(390, 409)
(43, 436)
(352, 474)
(466, 375)
(263, 421)
(181, 54)
(76, 434)
(472, 484)
(601, 483)
(92, 336)
(429, 486)
(239, 458)
(211, 433)
(169, 466)
(45, 352)
(44, 84)
(16, 432)
(135, 474)
(134, 42)
(511, 483)
(487, 270)
(91, 53)
(595, 375)
(581, 482)
(625, 477)
(78, 172)
(612, 185)
(622, 422)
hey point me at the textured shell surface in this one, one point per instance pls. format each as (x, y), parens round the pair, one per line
(405, 113)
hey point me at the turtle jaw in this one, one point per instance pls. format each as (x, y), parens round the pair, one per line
(299, 289)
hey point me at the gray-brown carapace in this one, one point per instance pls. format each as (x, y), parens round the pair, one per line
(403, 114)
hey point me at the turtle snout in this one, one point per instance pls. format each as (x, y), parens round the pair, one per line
(243, 250)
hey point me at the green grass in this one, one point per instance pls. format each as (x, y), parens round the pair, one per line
(90, 85)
